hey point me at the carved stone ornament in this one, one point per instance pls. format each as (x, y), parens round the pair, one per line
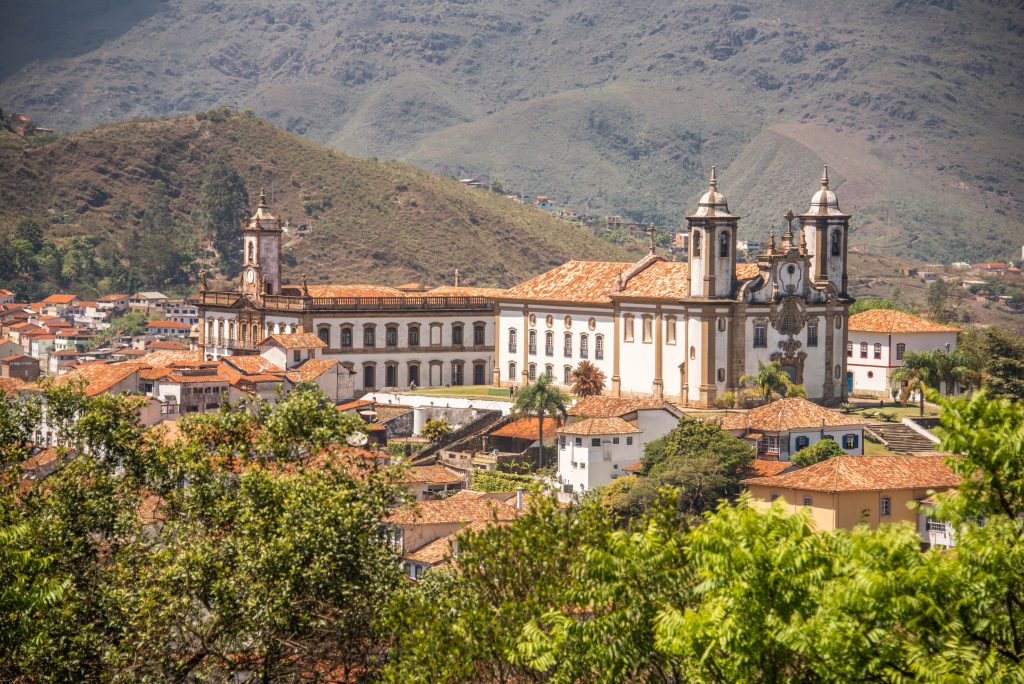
(790, 316)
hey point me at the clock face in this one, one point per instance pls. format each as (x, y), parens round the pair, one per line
(250, 275)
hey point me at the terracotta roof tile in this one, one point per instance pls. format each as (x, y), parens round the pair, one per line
(157, 345)
(786, 414)
(311, 369)
(306, 340)
(762, 468)
(60, 299)
(113, 297)
(865, 473)
(168, 357)
(607, 407)
(432, 553)
(13, 385)
(101, 377)
(252, 364)
(893, 321)
(452, 291)
(354, 290)
(526, 428)
(452, 510)
(431, 473)
(354, 405)
(599, 426)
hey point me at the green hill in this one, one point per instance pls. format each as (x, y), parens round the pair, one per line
(353, 220)
(616, 107)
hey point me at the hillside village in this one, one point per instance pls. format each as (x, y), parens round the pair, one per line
(403, 361)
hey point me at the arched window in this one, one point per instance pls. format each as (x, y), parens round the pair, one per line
(567, 347)
(695, 243)
(723, 244)
(533, 342)
(627, 328)
(511, 370)
(255, 333)
(532, 375)
(584, 345)
(878, 350)
(648, 328)
(478, 334)
(837, 247)
(549, 343)
(567, 375)
(863, 350)
(512, 334)
(244, 333)
(670, 330)
(369, 377)
(900, 350)
(549, 371)
(599, 347)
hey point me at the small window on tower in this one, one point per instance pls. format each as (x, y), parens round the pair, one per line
(252, 253)
(836, 244)
(723, 244)
(696, 243)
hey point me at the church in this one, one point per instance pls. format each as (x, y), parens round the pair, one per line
(686, 331)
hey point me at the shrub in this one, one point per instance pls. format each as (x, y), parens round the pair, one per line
(819, 451)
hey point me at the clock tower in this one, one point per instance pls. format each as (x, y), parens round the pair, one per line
(261, 258)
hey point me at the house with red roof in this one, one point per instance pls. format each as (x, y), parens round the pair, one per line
(781, 428)
(57, 304)
(878, 341)
(19, 366)
(165, 328)
(7, 296)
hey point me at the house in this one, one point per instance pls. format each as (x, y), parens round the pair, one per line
(413, 528)
(990, 268)
(603, 435)
(842, 492)
(168, 329)
(57, 304)
(9, 348)
(20, 366)
(934, 532)
(181, 311)
(38, 344)
(428, 481)
(783, 427)
(113, 303)
(545, 203)
(288, 350)
(150, 302)
(72, 339)
(7, 296)
(334, 379)
(878, 340)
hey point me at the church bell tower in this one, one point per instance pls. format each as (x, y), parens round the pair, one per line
(826, 229)
(261, 258)
(712, 255)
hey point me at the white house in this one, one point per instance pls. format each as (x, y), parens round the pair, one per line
(879, 338)
(168, 329)
(783, 427)
(292, 349)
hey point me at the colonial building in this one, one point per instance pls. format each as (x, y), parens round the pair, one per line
(388, 336)
(690, 330)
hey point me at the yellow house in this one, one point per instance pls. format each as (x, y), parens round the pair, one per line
(846, 490)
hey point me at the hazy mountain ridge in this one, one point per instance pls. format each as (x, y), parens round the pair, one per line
(608, 106)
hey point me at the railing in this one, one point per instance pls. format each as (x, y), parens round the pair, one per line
(229, 343)
(412, 303)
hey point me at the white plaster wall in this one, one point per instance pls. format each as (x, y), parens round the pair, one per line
(603, 463)
(636, 364)
(693, 362)
(654, 424)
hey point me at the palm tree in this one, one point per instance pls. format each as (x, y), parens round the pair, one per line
(540, 399)
(769, 380)
(917, 373)
(956, 368)
(587, 380)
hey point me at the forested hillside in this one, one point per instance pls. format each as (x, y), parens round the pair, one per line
(609, 106)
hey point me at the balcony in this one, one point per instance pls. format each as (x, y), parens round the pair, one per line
(412, 303)
(230, 343)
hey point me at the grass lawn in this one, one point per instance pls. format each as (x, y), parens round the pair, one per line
(874, 449)
(909, 411)
(468, 391)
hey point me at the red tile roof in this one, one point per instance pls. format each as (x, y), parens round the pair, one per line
(762, 468)
(526, 428)
(311, 369)
(786, 414)
(599, 426)
(432, 474)
(607, 407)
(100, 377)
(893, 321)
(357, 404)
(452, 291)
(60, 299)
(865, 473)
(354, 290)
(252, 364)
(305, 340)
(452, 510)
(174, 325)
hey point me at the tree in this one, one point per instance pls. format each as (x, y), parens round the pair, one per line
(436, 430)
(821, 450)
(222, 201)
(1003, 363)
(540, 399)
(939, 294)
(770, 380)
(795, 391)
(868, 303)
(587, 380)
(915, 375)
(955, 368)
(31, 232)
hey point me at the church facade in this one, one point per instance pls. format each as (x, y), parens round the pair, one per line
(689, 331)
(385, 336)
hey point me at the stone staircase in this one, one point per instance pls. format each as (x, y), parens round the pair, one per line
(900, 438)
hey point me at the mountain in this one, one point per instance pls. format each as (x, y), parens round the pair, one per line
(353, 220)
(617, 107)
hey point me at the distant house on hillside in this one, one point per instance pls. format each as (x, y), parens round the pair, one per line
(545, 203)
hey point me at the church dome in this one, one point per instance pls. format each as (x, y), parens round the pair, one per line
(824, 201)
(712, 202)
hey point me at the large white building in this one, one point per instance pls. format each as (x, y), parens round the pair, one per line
(879, 339)
(690, 330)
(387, 336)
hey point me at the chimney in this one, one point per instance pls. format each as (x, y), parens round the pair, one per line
(519, 498)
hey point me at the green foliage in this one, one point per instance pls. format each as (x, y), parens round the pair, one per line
(770, 380)
(821, 450)
(1003, 359)
(223, 201)
(537, 400)
(869, 303)
(496, 481)
(847, 407)
(436, 430)
(941, 304)
(727, 400)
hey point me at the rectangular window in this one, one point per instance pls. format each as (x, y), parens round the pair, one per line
(561, 441)
(414, 336)
(849, 350)
(578, 441)
(457, 335)
(533, 342)
(599, 347)
(648, 329)
(567, 347)
(391, 337)
(878, 350)
(627, 328)
(863, 350)
(532, 372)
(629, 441)
(595, 441)
(812, 334)
(900, 350)
(760, 336)
(296, 356)
(584, 346)
(670, 330)
(478, 335)
(369, 337)
(808, 501)
(885, 508)
(615, 440)
(512, 340)
(850, 441)
(549, 344)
